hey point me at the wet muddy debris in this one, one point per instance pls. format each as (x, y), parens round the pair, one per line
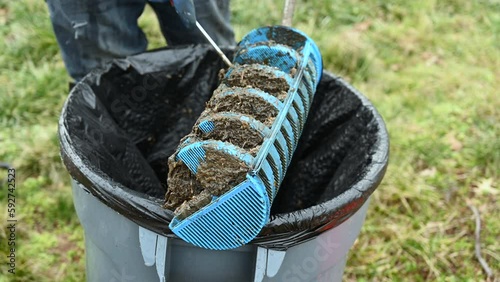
(239, 117)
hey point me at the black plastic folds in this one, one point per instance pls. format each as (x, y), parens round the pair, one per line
(121, 123)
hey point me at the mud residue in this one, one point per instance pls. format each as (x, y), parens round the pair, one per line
(246, 104)
(220, 172)
(221, 74)
(193, 205)
(182, 184)
(286, 36)
(255, 77)
(234, 131)
(187, 193)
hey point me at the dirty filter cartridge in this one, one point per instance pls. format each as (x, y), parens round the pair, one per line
(225, 174)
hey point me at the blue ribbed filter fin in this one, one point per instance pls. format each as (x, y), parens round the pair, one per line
(192, 156)
(206, 126)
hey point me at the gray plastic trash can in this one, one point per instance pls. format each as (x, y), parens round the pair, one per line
(117, 249)
(114, 143)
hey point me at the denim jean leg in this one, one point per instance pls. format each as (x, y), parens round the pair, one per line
(90, 33)
(213, 15)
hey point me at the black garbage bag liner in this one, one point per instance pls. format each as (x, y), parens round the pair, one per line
(120, 124)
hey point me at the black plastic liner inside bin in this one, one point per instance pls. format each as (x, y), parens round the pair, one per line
(121, 123)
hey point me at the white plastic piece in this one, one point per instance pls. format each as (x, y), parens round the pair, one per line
(260, 264)
(161, 257)
(147, 240)
(274, 261)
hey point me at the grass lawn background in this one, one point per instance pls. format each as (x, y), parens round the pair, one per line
(431, 68)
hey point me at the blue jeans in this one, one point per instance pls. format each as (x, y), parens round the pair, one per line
(92, 32)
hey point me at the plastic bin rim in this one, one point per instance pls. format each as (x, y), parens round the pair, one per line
(345, 204)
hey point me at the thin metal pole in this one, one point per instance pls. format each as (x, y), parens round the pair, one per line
(288, 12)
(219, 51)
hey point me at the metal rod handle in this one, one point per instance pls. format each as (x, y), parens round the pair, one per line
(288, 12)
(219, 51)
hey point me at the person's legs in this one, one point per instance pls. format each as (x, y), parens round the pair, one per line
(213, 15)
(92, 32)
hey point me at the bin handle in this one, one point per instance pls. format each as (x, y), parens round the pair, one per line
(147, 240)
(154, 249)
(267, 263)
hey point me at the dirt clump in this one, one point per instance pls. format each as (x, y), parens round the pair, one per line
(182, 184)
(220, 172)
(246, 104)
(188, 192)
(234, 131)
(191, 206)
(228, 109)
(254, 76)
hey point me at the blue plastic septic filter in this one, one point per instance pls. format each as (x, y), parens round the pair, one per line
(237, 216)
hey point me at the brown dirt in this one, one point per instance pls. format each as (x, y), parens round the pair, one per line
(217, 175)
(221, 74)
(283, 35)
(234, 131)
(246, 104)
(220, 172)
(254, 77)
(189, 207)
(182, 184)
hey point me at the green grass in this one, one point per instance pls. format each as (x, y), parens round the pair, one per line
(432, 69)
